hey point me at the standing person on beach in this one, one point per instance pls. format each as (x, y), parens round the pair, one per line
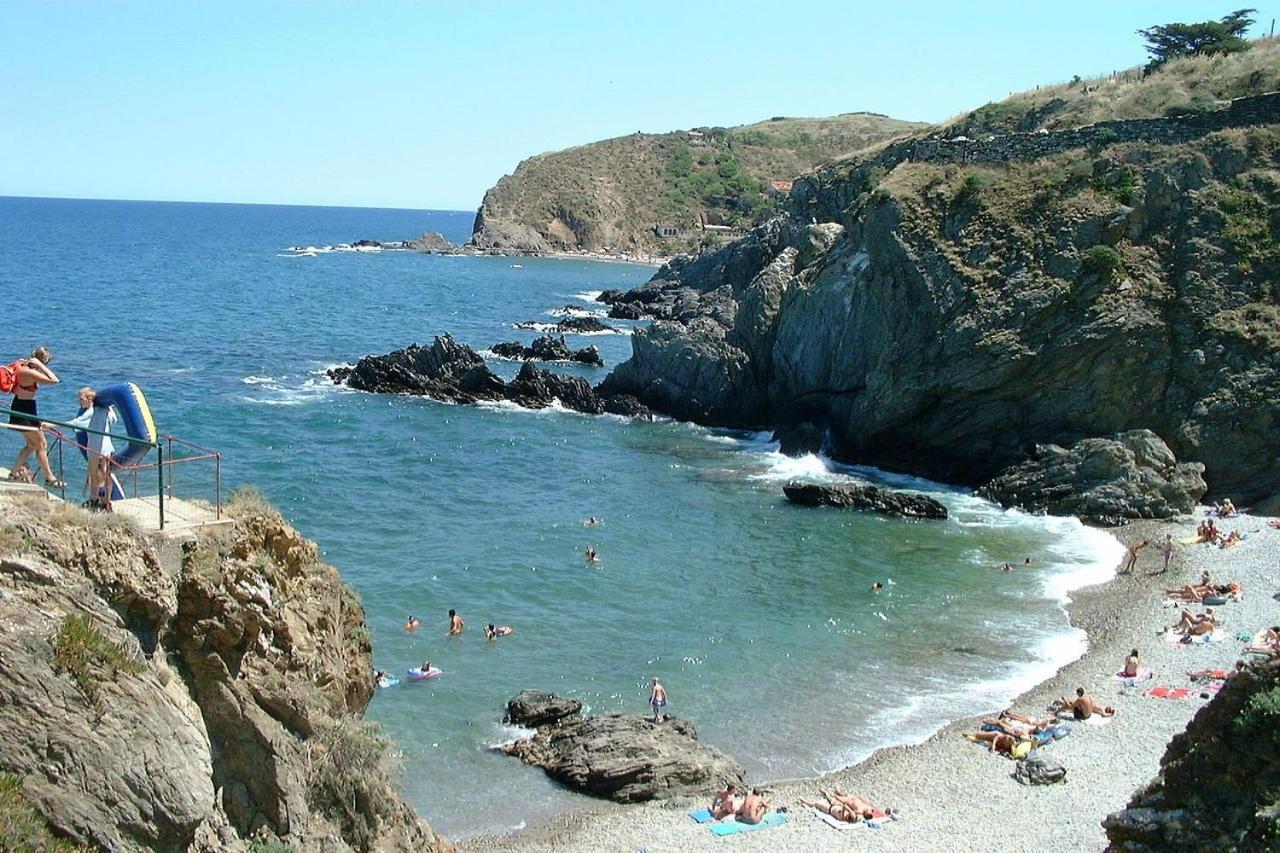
(1166, 551)
(1133, 555)
(31, 374)
(455, 623)
(657, 699)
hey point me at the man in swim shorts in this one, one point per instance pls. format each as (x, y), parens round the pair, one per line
(657, 699)
(1083, 707)
(753, 807)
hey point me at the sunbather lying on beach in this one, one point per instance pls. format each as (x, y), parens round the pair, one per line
(846, 807)
(725, 801)
(1231, 539)
(1013, 723)
(753, 808)
(1194, 624)
(1082, 707)
(1005, 744)
(1215, 674)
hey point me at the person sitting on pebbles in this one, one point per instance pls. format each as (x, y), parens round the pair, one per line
(1083, 706)
(753, 807)
(725, 801)
(1194, 624)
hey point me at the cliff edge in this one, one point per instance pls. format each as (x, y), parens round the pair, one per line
(196, 695)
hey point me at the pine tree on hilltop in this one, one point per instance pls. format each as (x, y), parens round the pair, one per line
(1203, 39)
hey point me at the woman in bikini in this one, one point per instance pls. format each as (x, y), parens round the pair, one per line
(32, 373)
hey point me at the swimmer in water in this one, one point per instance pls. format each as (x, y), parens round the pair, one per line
(591, 522)
(455, 623)
(877, 586)
(412, 624)
(1005, 567)
(492, 633)
(592, 556)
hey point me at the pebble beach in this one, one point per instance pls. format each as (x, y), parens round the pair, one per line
(951, 794)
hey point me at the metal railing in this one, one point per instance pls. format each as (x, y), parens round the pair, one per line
(166, 458)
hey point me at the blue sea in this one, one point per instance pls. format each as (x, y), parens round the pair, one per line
(757, 615)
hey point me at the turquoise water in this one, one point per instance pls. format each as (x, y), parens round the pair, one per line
(756, 615)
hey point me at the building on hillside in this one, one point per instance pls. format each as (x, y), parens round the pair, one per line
(666, 231)
(697, 137)
(780, 187)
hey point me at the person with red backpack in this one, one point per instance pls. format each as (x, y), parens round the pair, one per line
(29, 375)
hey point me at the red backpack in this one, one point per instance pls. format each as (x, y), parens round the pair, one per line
(9, 376)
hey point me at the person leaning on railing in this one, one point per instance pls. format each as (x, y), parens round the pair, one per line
(31, 374)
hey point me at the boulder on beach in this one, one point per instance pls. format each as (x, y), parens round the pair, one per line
(1039, 770)
(871, 498)
(1108, 481)
(623, 757)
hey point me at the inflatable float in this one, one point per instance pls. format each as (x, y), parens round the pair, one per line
(134, 418)
(417, 673)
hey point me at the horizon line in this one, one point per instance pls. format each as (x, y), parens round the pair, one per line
(239, 203)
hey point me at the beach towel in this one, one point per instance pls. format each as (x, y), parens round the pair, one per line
(733, 827)
(1162, 692)
(700, 815)
(1095, 720)
(1175, 639)
(875, 822)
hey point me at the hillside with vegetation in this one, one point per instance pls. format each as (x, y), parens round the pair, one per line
(655, 192)
(1088, 259)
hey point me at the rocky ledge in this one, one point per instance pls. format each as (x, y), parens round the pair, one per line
(455, 373)
(549, 348)
(1106, 481)
(203, 697)
(623, 757)
(870, 498)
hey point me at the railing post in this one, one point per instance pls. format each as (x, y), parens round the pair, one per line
(217, 485)
(62, 475)
(160, 473)
(170, 463)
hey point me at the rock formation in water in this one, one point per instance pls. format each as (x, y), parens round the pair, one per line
(624, 757)
(548, 348)
(868, 498)
(206, 697)
(1107, 481)
(921, 313)
(455, 373)
(1219, 781)
(570, 325)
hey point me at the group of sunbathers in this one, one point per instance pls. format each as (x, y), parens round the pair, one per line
(848, 808)
(1198, 592)
(1265, 642)
(751, 808)
(1207, 531)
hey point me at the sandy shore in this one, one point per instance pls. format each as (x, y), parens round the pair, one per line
(954, 795)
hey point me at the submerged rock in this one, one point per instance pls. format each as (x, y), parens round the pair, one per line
(570, 325)
(872, 498)
(1108, 481)
(623, 757)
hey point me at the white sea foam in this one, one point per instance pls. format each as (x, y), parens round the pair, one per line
(555, 329)
(589, 295)
(507, 733)
(258, 380)
(570, 311)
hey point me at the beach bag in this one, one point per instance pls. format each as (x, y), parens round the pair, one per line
(9, 376)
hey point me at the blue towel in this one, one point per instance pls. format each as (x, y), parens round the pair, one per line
(701, 815)
(732, 827)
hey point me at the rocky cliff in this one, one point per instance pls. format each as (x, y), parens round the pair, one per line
(202, 695)
(1219, 787)
(612, 194)
(943, 315)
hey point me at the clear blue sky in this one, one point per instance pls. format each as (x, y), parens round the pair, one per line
(425, 104)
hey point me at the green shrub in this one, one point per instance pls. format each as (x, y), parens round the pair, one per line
(1260, 717)
(350, 778)
(1249, 228)
(971, 189)
(82, 653)
(246, 500)
(1119, 185)
(269, 845)
(1103, 262)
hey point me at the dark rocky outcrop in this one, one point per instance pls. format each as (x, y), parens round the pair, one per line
(534, 708)
(431, 241)
(1108, 481)
(570, 325)
(869, 498)
(1219, 781)
(455, 373)
(623, 757)
(944, 321)
(549, 348)
(197, 698)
